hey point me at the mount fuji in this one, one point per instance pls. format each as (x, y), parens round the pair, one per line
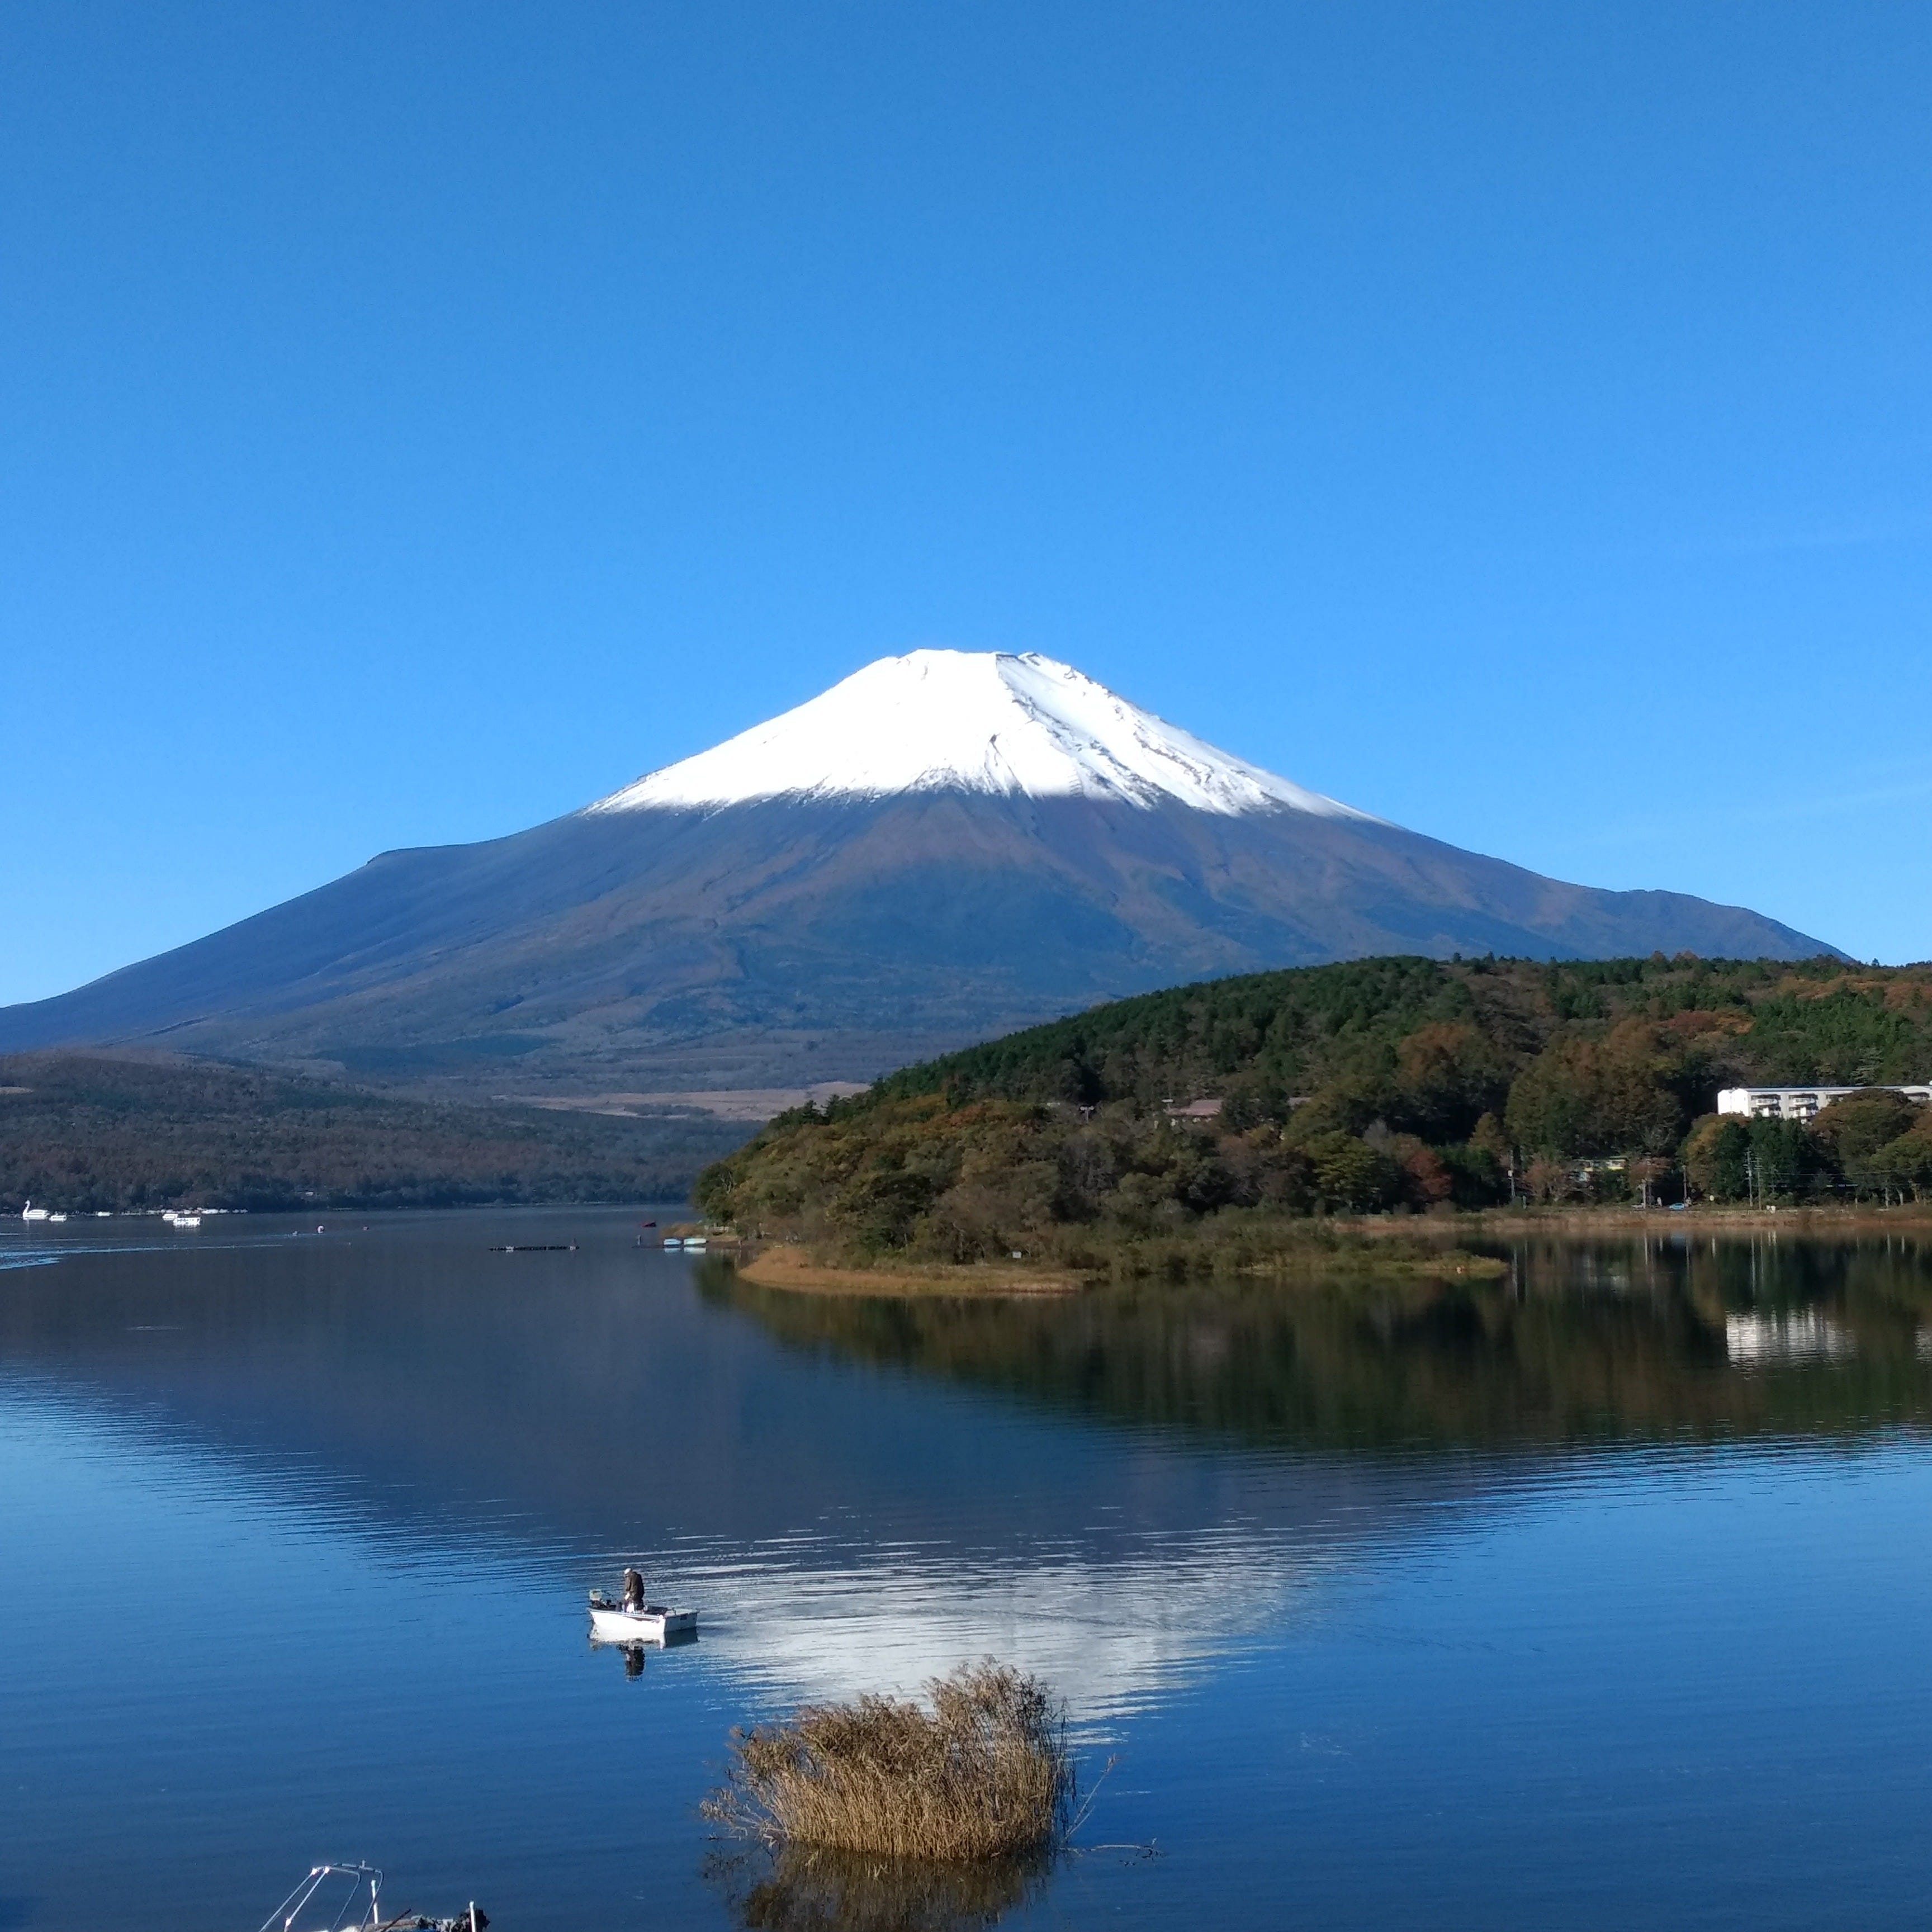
(944, 846)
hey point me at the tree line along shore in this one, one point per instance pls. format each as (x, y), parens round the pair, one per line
(1207, 1115)
(90, 1133)
(1220, 1120)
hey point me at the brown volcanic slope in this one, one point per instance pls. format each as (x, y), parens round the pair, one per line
(782, 941)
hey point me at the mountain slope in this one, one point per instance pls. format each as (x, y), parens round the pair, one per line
(943, 846)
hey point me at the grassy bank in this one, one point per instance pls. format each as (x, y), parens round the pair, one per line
(1839, 1218)
(1065, 1261)
(796, 1270)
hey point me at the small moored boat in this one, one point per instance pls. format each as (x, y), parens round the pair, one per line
(329, 1898)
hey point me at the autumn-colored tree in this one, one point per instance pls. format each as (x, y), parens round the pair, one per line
(1855, 1131)
(1584, 1095)
(1549, 1179)
(1647, 1173)
(1448, 1076)
(1428, 1177)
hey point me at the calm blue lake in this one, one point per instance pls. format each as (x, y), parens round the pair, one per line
(1599, 1595)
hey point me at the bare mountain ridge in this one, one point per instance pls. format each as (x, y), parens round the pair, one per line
(958, 845)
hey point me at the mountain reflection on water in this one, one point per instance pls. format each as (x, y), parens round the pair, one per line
(848, 1525)
(1398, 1570)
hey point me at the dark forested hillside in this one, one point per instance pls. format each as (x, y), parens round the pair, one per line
(84, 1133)
(1270, 1034)
(1381, 1083)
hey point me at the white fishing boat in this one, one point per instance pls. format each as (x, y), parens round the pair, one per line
(634, 1621)
(174, 1220)
(53, 1218)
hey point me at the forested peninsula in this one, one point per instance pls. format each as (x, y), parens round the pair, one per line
(1206, 1114)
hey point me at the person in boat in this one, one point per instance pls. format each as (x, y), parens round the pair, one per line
(634, 1590)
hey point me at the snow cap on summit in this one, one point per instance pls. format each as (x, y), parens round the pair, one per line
(971, 720)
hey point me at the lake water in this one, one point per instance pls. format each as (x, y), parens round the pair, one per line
(1600, 1595)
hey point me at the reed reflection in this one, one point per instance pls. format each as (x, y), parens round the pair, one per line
(801, 1890)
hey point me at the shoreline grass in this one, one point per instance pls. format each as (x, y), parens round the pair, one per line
(1704, 1217)
(1242, 1244)
(1075, 1261)
(783, 1267)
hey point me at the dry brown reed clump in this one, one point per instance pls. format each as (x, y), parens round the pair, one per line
(984, 1773)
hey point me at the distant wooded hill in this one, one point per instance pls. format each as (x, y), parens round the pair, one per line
(82, 1132)
(1376, 1084)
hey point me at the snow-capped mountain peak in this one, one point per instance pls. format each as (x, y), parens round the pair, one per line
(971, 720)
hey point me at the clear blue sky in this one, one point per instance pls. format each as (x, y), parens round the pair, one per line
(419, 419)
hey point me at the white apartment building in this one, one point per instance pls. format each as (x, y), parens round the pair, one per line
(1799, 1103)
